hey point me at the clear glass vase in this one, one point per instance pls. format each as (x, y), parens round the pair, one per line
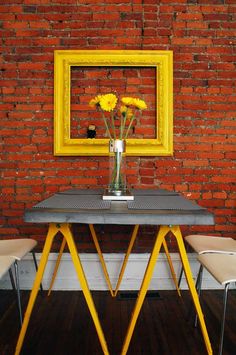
(117, 167)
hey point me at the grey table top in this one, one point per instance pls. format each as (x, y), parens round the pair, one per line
(150, 207)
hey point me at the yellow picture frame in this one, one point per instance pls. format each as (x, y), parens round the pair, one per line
(162, 61)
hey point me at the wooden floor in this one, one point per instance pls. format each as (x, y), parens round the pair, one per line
(61, 324)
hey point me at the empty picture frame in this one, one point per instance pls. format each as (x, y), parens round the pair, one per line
(160, 62)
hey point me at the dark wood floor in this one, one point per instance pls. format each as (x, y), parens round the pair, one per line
(61, 324)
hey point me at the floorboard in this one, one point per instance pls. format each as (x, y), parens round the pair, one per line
(61, 324)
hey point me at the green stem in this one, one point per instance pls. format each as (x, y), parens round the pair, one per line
(116, 177)
(107, 128)
(123, 125)
(130, 124)
(113, 124)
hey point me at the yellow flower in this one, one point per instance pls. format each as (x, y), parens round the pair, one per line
(128, 101)
(126, 110)
(108, 102)
(123, 109)
(129, 113)
(139, 104)
(94, 102)
(128, 107)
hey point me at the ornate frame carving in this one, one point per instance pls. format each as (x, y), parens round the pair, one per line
(162, 61)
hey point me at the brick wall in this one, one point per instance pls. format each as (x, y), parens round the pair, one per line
(202, 37)
(87, 82)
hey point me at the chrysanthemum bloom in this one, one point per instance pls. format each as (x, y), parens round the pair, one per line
(139, 104)
(128, 101)
(94, 102)
(126, 111)
(127, 108)
(108, 102)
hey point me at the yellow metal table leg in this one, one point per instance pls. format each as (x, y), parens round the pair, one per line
(123, 267)
(171, 266)
(65, 230)
(39, 275)
(177, 233)
(68, 238)
(102, 261)
(144, 287)
(101, 258)
(63, 244)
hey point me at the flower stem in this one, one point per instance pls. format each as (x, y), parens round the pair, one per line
(113, 124)
(130, 124)
(116, 182)
(107, 128)
(123, 126)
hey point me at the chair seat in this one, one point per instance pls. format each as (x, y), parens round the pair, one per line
(221, 266)
(16, 248)
(210, 244)
(5, 264)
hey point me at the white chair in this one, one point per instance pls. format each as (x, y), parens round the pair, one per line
(209, 244)
(16, 249)
(223, 268)
(5, 264)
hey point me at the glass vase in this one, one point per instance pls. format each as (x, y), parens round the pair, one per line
(117, 167)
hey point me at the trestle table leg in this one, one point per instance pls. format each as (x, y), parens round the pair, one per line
(65, 230)
(101, 258)
(123, 267)
(53, 230)
(102, 261)
(95, 240)
(171, 266)
(103, 264)
(144, 287)
(147, 278)
(68, 238)
(62, 247)
(188, 274)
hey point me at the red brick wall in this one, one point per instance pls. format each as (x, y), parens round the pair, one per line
(202, 37)
(87, 82)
